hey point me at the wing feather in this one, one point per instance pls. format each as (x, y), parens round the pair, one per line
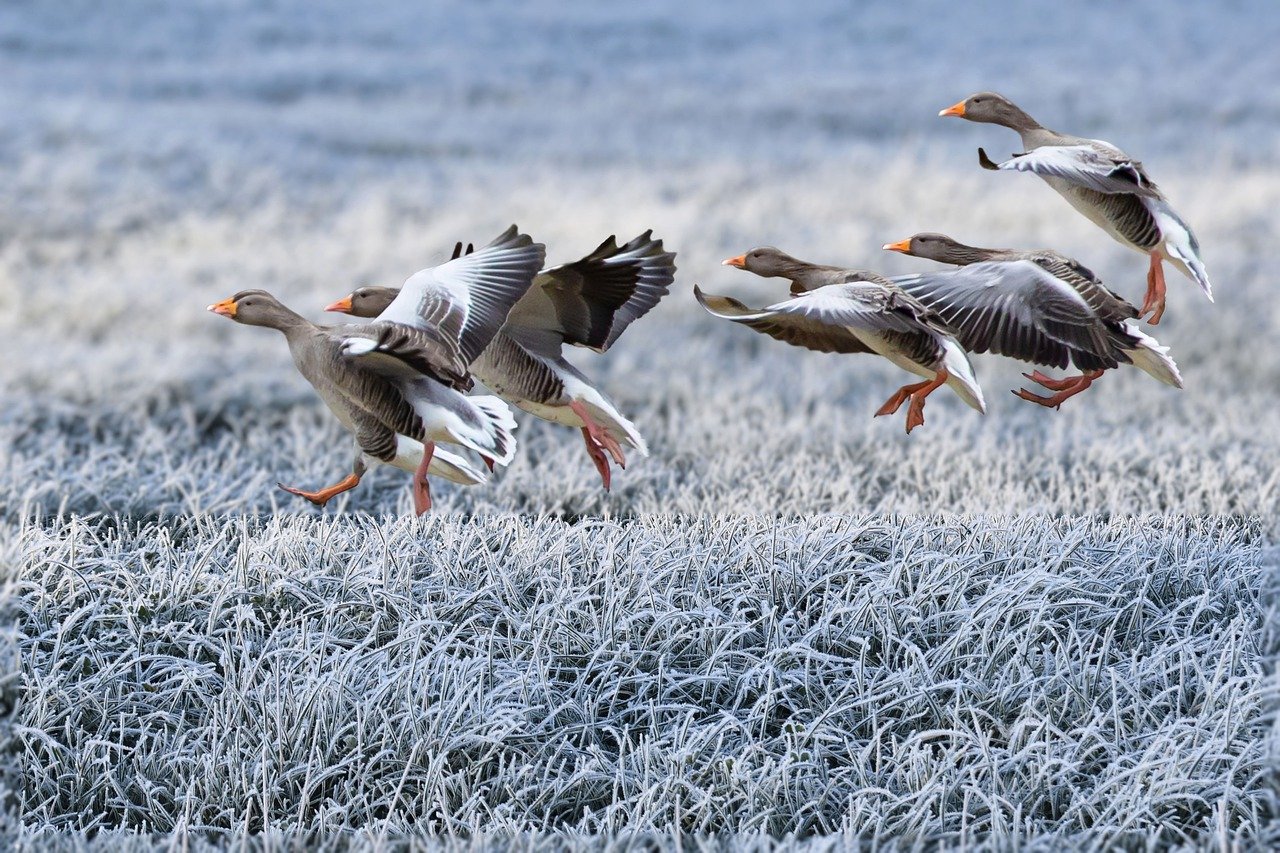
(591, 301)
(1093, 165)
(467, 299)
(1017, 309)
(827, 319)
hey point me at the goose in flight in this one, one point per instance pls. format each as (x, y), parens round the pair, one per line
(847, 311)
(1108, 186)
(1036, 306)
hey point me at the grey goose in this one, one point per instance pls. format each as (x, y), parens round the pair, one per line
(848, 311)
(1108, 186)
(587, 303)
(1037, 306)
(397, 384)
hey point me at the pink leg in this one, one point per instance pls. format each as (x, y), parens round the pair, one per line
(1051, 383)
(1069, 388)
(599, 434)
(421, 488)
(597, 456)
(1155, 289)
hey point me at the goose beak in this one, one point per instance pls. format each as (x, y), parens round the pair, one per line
(342, 306)
(956, 110)
(903, 246)
(227, 308)
(740, 262)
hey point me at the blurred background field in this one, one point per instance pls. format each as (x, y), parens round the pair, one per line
(1119, 554)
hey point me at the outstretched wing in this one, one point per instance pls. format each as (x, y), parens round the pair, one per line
(1013, 308)
(589, 302)
(1096, 166)
(829, 318)
(654, 269)
(467, 299)
(794, 329)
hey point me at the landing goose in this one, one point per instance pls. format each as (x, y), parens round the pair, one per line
(1037, 306)
(587, 303)
(1108, 186)
(396, 384)
(850, 311)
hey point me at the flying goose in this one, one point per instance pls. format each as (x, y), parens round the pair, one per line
(587, 303)
(1037, 306)
(849, 311)
(396, 384)
(1108, 186)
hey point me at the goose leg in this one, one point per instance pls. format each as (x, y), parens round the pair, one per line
(421, 488)
(899, 397)
(323, 496)
(1070, 388)
(915, 412)
(1051, 383)
(597, 456)
(599, 435)
(1155, 289)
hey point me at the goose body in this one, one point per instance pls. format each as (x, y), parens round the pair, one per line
(849, 311)
(587, 303)
(1099, 180)
(350, 393)
(397, 384)
(1037, 306)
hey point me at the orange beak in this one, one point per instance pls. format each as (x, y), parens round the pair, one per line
(342, 306)
(956, 110)
(227, 308)
(740, 262)
(903, 246)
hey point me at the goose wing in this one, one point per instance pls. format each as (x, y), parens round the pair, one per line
(463, 302)
(1106, 303)
(1013, 308)
(591, 301)
(827, 319)
(396, 351)
(1095, 165)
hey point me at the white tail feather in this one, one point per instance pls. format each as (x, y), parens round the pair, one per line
(1180, 245)
(607, 414)
(960, 377)
(1152, 358)
(455, 468)
(444, 464)
(622, 430)
(499, 425)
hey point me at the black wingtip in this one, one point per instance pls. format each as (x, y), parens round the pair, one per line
(986, 162)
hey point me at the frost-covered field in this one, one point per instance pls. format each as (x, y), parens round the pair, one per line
(1031, 628)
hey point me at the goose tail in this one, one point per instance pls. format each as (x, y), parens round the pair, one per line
(1149, 356)
(961, 378)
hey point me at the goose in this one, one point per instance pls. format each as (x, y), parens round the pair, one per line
(1108, 186)
(587, 303)
(847, 311)
(1037, 306)
(396, 384)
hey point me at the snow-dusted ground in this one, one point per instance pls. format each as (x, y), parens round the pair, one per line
(792, 617)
